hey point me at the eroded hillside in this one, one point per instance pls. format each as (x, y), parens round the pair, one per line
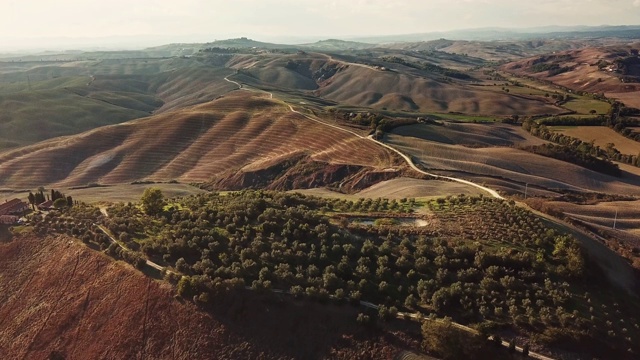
(62, 300)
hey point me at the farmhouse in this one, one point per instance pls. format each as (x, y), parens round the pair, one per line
(47, 205)
(13, 207)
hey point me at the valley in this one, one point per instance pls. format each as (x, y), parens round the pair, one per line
(492, 184)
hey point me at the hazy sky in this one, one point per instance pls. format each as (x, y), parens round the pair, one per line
(24, 21)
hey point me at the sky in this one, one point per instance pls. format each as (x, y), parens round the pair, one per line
(42, 23)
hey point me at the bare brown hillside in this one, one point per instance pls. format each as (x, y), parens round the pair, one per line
(487, 153)
(61, 300)
(359, 84)
(240, 132)
(387, 89)
(593, 69)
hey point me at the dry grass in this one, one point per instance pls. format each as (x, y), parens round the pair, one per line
(240, 130)
(628, 213)
(476, 135)
(65, 98)
(601, 135)
(401, 188)
(500, 164)
(365, 87)
(585, 76)
(362, 86)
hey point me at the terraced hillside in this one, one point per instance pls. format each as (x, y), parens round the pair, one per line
(239, 132)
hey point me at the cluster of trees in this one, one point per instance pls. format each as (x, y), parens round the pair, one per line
(600, 120)
(378, 123)
(570, 149)
(619, 118)
(227, 50)
(628, 65)
(576, 156)
(78, 221)
(58, 198)
(488, 261)
(282, 241)
(613, 119)
(449, 342)
(553, 68)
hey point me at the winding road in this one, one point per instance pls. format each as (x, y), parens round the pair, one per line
(618, 271)
(407, 159)
(114, 241)
(410, 162)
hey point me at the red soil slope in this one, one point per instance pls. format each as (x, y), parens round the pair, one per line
(58, 297)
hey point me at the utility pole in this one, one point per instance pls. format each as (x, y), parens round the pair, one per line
(615, 219)
(526, 188)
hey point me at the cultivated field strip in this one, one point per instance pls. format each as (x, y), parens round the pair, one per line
(625, 214)
(621, 224)
(471, 134)
(601, 136)
(239, 131)
(513, 164)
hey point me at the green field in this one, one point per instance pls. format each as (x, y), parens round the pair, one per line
(584, 104)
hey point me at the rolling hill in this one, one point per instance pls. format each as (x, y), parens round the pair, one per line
(382, 86)
(593, 70)
(502, 50)
(239, 132)
(488, 153)
(45, 100)
(62, 300)
(251, 115)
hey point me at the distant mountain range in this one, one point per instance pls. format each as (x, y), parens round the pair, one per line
(8, 44)
(565, 32)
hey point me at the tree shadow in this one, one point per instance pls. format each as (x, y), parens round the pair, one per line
(303, 329)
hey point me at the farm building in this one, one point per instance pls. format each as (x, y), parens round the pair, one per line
(13, 207)
(47, 205)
